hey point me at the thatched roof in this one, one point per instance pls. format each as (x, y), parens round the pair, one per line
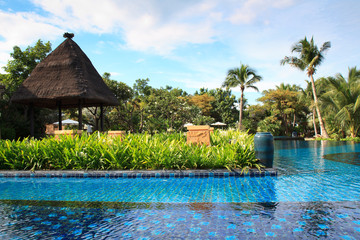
(65, 75)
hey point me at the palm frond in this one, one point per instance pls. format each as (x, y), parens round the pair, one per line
(343, 117)
(325, 46)
(243, 77)
(294, 62)
(253, 87)
(357, 104)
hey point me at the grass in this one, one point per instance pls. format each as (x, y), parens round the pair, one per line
(133, 152)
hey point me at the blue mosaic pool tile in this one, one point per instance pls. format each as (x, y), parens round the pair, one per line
(248, 223)
(323, 226)
(27, 228)
(270, 234)
(38, 233)
(347, 237)
(145, 174)
(274, 226)
(320, 233)
(298, 230)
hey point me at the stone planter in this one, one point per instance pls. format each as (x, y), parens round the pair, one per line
(198, 134)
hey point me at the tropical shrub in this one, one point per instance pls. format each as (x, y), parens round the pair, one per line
(134, 151)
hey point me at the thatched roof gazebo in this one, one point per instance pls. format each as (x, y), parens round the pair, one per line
(66, 78)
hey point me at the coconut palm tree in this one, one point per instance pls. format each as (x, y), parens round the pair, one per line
(343, 98)
(309, 58)
(245, 77)
(307, 97)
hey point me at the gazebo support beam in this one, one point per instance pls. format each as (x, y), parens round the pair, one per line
(60, 117)
(101, 117)
(32, 121)
(80, 115)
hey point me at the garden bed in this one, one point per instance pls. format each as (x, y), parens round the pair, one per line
(130, 152)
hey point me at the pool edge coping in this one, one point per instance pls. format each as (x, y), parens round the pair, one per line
(201, 173)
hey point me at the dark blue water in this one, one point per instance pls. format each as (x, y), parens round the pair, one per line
(316, 195)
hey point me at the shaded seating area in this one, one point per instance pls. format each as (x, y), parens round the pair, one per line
(53, 129)
(66, 78)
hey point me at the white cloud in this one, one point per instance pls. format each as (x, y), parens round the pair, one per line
(115, 74)
(154, 26)
(254, 32)
(145, 26)
(251, 9)
(22, 29)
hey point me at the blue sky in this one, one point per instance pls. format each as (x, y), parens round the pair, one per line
(188, 43)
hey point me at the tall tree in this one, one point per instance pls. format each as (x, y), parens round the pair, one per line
(224, 109)
(292, 88)
(309, 58)
(245, 77)
(308, 99)
(343, 98)
(15, 117)
(203, 102)
(22, 64)
(282, 104)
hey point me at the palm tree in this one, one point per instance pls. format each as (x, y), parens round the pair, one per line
(307, 97)
(245, 77)
(343, 97)
(309, 58)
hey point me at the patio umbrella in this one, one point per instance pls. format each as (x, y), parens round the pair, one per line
(67, 122)
(218, 124)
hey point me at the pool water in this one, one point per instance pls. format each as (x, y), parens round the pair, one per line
(315, 195)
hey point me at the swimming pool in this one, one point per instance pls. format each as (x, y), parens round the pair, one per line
(315, 195)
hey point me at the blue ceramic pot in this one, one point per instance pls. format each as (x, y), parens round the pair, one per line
(264, 148)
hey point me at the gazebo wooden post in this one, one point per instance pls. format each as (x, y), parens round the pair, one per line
(32, 120)
(80, 115)
(60, 117)
(101, 117)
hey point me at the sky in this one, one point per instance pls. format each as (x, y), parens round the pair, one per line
(189, 44)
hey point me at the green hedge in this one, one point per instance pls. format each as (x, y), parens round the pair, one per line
(350, 139)
(134, 151)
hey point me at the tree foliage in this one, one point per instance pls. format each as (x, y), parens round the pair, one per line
(14, 118)
(310, 56)
(343, 98)
(203, 102)
(283, 105)
(243, 77)
(22, 63)
(143, 108)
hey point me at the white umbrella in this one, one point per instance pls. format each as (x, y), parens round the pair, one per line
(218, 124)
(188, 124)
(67, 122)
